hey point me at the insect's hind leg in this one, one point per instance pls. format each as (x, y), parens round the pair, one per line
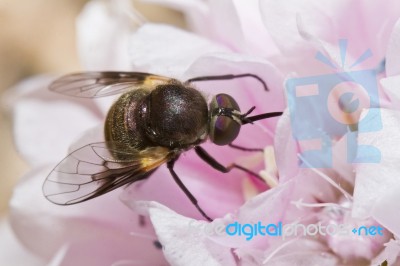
(170, 166)
(224, 169)
(230, 76)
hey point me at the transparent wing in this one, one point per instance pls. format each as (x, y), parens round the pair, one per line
(92, 171)
(100, 84)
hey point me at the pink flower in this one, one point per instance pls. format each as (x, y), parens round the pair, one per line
(300, 31)
(104, 231)
(86, 234)
(274, 40)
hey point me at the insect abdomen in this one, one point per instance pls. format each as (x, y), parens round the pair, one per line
(121, 125)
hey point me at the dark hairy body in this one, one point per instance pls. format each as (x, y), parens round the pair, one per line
(172, 115)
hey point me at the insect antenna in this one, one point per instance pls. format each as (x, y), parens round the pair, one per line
(249, 120)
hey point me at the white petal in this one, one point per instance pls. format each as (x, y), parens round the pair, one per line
(385, 210)
(247, 91)
(304, 258)
(280, 19)
(208, 20)
(369, 27)
(182, 246)
(257, 39)
(103, 29)
(12, 252)
(230, 34)
(300, 252)
(392, 88)
(271, 206)
(196, 13)
(109, 250)
(45, 123)
(390, 254)
(96, 230)
(377, 180)
(393, 52)
(285, 149)
(166, 50)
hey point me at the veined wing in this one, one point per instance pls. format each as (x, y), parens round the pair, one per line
(101, 84)
(92, 171)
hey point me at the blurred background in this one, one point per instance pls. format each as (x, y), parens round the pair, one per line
(39, 37)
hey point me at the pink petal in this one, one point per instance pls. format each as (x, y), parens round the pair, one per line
(355, 247)
(12, 252)
(248, 92)
(179, 235)
(182, 246)
(103, 30)
(285, 149)
(196, 13)
(288, 162)
(268, 207)
(390, 254)
(230, 34)
(330, 21)
(208, 185)
(97, 231)
(393, 52)
(385, 210)
(375, 180)
(108, 250)
(340, 162)
(166, 50)
(257, 39)
(300, 252)
(209, 20)
(42, 118)
(216, 193)
(280, 20)
(391, 87)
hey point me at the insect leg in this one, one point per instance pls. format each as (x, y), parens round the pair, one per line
(234, 146)
(216, 165)
(226, 77)
(170, 166)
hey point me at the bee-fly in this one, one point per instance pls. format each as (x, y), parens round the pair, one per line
(154, 121)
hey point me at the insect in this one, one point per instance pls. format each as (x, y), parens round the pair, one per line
(152, 123)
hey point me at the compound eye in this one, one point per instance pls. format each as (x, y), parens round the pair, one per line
(223, 129)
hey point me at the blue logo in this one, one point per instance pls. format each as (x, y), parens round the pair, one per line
(324, 108)
(249, 231)
(297, 229)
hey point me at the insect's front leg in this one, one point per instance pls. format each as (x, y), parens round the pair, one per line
(224, 169)
(170, 166)
(241, 148)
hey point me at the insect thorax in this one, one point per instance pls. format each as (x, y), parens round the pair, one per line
(172, 115)
(176, 115)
